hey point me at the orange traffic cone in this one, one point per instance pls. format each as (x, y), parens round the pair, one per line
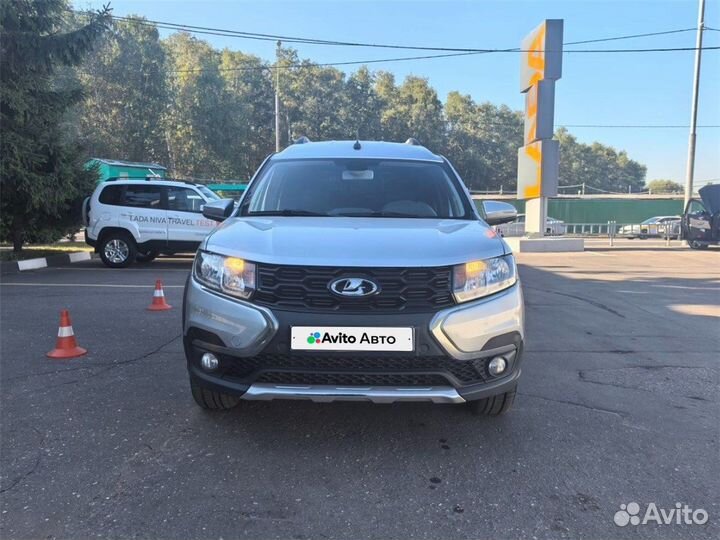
(66, 346)
(158, 301)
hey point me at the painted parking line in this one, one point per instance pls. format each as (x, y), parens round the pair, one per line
(107, 285)
(96, 268)
(690, 287)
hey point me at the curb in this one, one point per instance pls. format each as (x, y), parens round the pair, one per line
(14, 267)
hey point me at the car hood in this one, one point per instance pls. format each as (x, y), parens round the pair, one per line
(710, 196)
(339, 241)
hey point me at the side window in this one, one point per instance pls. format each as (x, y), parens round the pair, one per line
(111, 194)
(182, 199)
(143, 196)
(696, 207)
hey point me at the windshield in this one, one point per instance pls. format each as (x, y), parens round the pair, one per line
(209, 193)
(649, 221)
(357, 188)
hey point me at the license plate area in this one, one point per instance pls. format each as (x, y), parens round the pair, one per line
(351, 338)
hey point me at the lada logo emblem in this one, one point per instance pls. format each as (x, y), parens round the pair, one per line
(353, 286)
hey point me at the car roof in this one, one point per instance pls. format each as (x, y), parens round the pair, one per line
(151, 181)
(367, 150)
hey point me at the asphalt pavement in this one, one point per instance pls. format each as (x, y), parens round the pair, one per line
(618, 403)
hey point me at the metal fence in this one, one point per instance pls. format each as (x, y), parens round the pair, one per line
(610, 228)
(625, 230)
(588, 229)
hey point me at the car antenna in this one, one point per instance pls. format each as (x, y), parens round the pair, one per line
(357, 145)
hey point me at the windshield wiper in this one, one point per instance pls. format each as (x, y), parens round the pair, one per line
(286, 212)
(382, 214)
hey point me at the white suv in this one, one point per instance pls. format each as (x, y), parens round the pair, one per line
(128, 220)
(355, 270)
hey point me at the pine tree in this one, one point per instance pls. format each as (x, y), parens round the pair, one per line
(42, 179)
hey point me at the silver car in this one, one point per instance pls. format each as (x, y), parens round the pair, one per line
(354, 271)
(553, 227)
(654, 227)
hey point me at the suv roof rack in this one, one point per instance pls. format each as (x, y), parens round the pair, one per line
(151, 179)
(301, 140)
(413, 141)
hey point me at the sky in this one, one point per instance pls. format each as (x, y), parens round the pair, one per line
(598, 88)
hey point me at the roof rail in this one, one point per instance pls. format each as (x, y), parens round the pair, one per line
(301, 140)
(413, 141)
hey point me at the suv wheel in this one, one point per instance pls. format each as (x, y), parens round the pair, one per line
(147, 256)
(694, 244)
(211, 400)
(117, 250)
(493, 405)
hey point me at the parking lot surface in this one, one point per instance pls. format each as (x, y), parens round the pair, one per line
(618, 403)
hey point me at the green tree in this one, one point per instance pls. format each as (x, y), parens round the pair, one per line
(209, 113)
(664, 186)
(42, 177)
(482, 142)
(249, 103)
(196, 122)
(361, 112)
(312, 99)
(501, 133)
(126, 89)
(411, 110)
(599, 167)
(464, 145)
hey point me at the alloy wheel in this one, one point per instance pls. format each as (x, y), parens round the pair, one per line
(116, 251)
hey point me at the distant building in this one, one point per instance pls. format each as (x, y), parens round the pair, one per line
(229, 189)
(115, 168)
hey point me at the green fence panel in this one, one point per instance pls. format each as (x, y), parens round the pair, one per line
(604, 210)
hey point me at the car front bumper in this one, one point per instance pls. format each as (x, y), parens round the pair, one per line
(449, 364)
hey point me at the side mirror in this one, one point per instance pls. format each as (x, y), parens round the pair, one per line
(497, 212)
(218, 210)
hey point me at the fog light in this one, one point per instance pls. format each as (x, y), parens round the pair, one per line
(497, 366)
(209, 361)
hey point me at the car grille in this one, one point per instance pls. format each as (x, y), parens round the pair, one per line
(401, 289)
(352, 379)
(354, 370)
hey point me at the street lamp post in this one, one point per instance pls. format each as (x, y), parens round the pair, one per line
(277, 96)
(690, 173)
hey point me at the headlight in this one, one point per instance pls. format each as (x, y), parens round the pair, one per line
(476, 279)
(229, 275)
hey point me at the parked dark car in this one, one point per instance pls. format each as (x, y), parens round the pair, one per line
(701, 220)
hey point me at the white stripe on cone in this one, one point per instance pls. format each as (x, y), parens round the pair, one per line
(65, 331)
(158, 293)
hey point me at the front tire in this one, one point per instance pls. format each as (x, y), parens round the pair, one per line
(493, 405)
(211, 400)
(117, 250)
(694, 244)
